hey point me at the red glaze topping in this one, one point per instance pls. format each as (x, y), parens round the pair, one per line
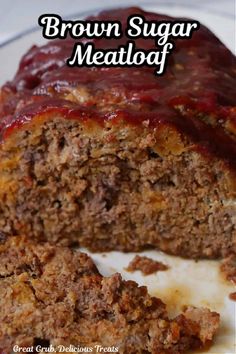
(196, 95)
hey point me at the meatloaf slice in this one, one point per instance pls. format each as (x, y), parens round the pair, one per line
(118, 158)
(51, 295)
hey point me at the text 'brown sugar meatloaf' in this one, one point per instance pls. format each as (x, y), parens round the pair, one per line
(118, 158)
(51, 295)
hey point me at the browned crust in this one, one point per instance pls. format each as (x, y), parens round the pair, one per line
(228, 268)
(146, 265)
(232, 296)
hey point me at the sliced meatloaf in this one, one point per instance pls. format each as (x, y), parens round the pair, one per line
(50, 295)
(118, 158)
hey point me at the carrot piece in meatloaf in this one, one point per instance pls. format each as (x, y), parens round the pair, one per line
(53, 295)
(118, 158)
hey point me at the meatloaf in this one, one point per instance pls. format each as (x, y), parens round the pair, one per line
(53, 295)
(118, 158)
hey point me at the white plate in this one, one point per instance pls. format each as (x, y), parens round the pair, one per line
(186, 282)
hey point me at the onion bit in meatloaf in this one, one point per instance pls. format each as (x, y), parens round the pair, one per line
(117, 158)
(146, 265)
(56, 294)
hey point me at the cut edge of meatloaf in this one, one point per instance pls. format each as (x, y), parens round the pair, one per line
(55, 295)
(118, 158)
(115, 185)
